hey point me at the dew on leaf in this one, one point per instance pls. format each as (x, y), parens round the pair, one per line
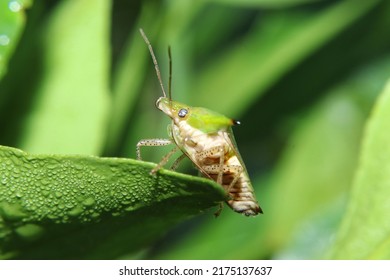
(4, 40)
(89, 201)
(15, 6)
(11, 212)
(76, 211)
(30, 232)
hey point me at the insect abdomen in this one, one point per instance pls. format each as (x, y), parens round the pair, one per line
(236, 182)
(215, 157)
(242, 197)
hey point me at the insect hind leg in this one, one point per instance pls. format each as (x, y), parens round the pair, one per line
(238, 170)
(230, 171)
(177, 162)
(164, 160)
(233, 171)
(208, 158)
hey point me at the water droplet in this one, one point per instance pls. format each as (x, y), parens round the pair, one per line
(12, 212)
(115, 214)
(52, 165)
(69, 205)
(51, 216)
(4, 40)
(95, 215)
(30, 232)
(134, 172)
(76, 211)
(4, 181)
(89, 201)
(45, 181)
(126, 202)
(14, 6)
(130, 208)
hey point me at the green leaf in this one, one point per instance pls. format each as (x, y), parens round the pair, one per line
(58, 206)
(317, 166)
(129, 76)
(268, 52)
(365, 231)
(321, 167)
(12, 22)
(264, 3)
(71, 100)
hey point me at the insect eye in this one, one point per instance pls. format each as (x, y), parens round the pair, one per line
(182, 113)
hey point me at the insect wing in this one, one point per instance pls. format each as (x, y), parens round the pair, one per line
(229, 138)
(184, 150)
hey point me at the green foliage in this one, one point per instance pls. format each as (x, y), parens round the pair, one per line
(370, 195)
(80, 207)
(11, 27)
(301, 75)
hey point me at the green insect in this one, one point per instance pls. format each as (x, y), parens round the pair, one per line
(206, 138)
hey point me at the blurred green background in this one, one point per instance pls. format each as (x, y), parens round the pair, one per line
(302, 76)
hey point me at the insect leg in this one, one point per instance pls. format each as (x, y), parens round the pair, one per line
(231, 172)
(219, 177)
(218, 212)
(221, 162)
(230, 175)
(151, 142)
(212, 153)
(238, 170)
(221, 153)
(164, 160)
(209, 157)
(177, 161)
(213, 163)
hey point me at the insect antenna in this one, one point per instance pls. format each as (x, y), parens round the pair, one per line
(154, 61)
(170, 74)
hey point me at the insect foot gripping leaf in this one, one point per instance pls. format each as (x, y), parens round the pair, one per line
(206, 138)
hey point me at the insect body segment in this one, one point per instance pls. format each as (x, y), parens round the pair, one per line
(206, 138)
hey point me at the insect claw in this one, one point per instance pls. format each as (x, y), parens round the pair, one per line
(154, 171)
